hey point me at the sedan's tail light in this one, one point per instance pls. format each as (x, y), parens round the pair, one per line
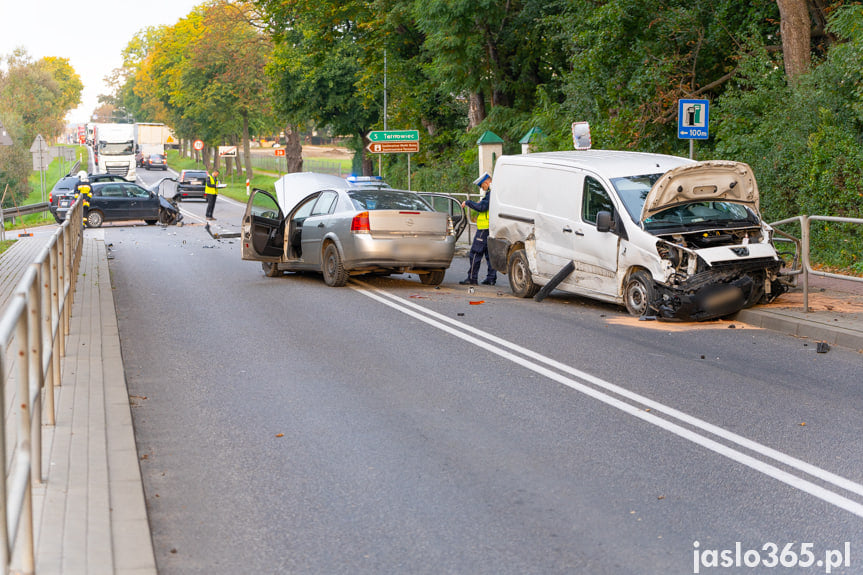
(450, 229)
(360, 224)
(49, 197)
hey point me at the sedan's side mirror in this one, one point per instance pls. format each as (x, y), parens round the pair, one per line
(603, 221)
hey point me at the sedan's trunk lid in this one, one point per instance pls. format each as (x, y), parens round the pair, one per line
(406, 223)
(702, 182)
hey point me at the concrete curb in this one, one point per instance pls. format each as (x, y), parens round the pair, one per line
(791, 323)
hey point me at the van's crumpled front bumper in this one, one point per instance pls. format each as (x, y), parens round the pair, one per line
(720, 290)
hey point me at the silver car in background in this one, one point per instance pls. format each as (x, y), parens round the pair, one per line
(327, 224)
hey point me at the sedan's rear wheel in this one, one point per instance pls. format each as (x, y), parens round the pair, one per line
(94, 219)
(433, 277)
(333, 269)
(271, 270)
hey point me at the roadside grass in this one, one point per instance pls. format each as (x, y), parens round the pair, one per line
(55, 171)
(5, 245)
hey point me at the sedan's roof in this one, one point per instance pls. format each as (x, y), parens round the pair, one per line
(293, 188)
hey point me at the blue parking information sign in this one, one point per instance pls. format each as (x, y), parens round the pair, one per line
(693, 119)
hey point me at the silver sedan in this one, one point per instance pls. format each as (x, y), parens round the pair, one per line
(323, 223)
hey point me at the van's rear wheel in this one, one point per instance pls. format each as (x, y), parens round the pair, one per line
(518, 271)
(639, 295)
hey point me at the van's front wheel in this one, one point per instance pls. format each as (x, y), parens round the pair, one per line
(639, 295)
(520, 280)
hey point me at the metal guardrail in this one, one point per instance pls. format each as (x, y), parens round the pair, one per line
(34, 327)
(12, 213)
(802, 265)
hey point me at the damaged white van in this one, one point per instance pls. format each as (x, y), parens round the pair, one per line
(662, 235)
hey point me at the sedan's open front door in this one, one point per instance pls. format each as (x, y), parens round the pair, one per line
(263, 228)
(448, 205)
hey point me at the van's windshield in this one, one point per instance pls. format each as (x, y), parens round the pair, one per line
(633, 192)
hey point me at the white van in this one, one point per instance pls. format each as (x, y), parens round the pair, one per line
(662, 235)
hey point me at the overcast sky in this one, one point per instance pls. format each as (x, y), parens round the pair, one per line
(90, 33)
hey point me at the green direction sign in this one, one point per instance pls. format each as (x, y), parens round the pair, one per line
(394, 136)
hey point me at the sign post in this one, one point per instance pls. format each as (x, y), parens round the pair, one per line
(693, 122)
(41, 160)
(228, 152)
(395, 142)
(280, 153)
(198, 145)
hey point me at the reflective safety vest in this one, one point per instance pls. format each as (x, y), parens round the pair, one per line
(482, 221)
(211, 186)
(482, 217)
(84, 189)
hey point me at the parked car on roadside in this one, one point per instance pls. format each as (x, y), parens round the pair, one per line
(117, 201)
(190, 184)
(323, 223)
(67, 185)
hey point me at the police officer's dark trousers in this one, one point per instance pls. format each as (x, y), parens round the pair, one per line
(478, 251)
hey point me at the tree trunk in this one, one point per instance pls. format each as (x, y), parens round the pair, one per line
(795, 27)
(476, 110)
(293, 149)
(247, 148)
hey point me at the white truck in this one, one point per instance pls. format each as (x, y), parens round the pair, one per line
(151, 138)
(115, 149)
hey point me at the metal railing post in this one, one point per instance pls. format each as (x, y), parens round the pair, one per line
(35, 373)
(21, 483)
(804, 238)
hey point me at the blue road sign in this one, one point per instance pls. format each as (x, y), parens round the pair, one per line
(693, 119)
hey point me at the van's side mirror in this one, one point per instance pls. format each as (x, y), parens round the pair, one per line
(603, 221)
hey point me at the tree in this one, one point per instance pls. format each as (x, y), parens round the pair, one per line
(34, 99)
(205, 74)
(317, 67)
(796, 37)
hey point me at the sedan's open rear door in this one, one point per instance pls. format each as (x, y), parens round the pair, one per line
(448, 205)
(263, 228)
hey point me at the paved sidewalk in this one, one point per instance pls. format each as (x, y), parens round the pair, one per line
(90, 515)
(835, 315)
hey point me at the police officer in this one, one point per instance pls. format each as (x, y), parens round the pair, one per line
(211, 190)
(83, 188)
(479, 248)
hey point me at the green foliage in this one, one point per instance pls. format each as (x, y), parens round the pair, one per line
(35, 98)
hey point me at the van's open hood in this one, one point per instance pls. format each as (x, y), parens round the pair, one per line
(703, 182)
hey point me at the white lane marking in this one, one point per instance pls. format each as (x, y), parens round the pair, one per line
(468, 333)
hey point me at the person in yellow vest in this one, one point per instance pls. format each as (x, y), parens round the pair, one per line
(211, 190)
(83, 188)
(479, 248)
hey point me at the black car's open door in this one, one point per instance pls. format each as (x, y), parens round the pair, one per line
(263, 228)
(448, 205)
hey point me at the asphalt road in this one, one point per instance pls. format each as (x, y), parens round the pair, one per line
(389, 427)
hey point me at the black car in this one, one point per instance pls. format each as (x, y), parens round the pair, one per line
(66, 187)
(191, 184)
(156, 162)
(116, 201)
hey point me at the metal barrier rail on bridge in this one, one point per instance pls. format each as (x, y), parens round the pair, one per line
(802, 265)
(33, 328)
